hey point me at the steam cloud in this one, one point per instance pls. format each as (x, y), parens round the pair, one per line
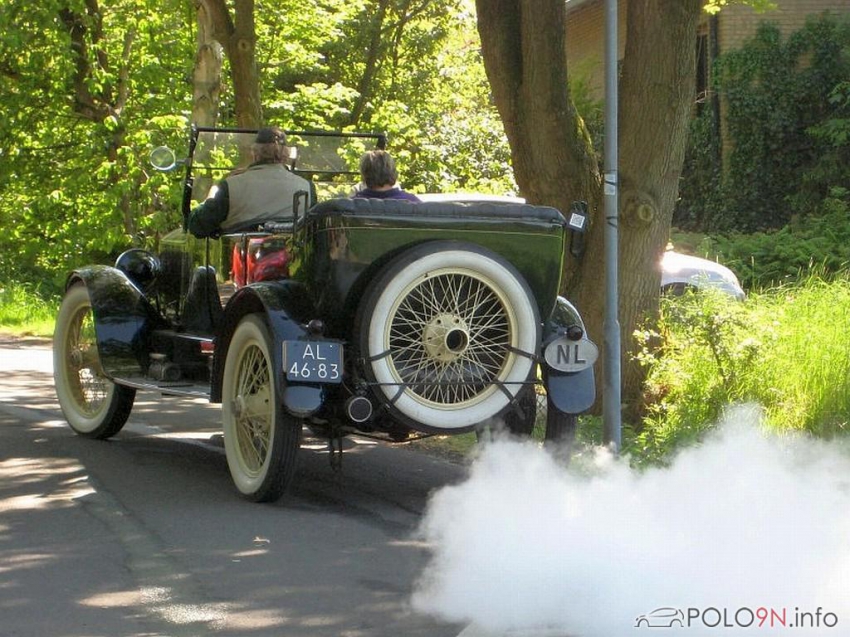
(745, 523)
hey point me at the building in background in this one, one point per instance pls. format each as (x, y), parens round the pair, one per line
(726, 31)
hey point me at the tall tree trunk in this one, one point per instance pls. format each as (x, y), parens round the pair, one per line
(657, 96)
(243, 63)
(523, 49)
(238, 37)
(522, 42)
(206, 77)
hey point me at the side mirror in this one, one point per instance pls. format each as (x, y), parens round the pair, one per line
(163, 158)
(577, 223)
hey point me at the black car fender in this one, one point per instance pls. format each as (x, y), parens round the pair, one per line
(569, 392)
(124, 319)
(286, 307)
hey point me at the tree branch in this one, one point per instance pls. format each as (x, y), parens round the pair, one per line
(501, 46)
(84, 102)
(124, 73)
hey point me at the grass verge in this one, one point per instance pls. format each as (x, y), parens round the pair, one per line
(27, 311)
(786, 349)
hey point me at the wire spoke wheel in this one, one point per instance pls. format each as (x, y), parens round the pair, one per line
(253, 412)
(93, 405)
(451, 335)
(260, 439)
(451, 331)
(85, 380)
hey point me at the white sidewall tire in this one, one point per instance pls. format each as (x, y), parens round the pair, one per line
(115, 404)
(391, 288)
(269, 481)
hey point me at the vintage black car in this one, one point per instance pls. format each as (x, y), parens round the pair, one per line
(381, 317)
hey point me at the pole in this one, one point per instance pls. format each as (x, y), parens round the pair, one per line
(611, 412)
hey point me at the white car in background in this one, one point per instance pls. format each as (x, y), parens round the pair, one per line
(680, 272)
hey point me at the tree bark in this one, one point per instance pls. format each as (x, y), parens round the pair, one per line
(658, 88)
(206, 77)
(522, 42)
(238, 38)
(523, 50)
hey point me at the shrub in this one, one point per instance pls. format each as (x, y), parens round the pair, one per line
(787, 104)
(820, 241)
(785, 349)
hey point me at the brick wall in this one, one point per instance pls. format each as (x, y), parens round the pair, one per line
(737, 23)
(586, 42)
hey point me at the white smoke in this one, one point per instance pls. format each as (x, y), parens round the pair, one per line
(746, 523)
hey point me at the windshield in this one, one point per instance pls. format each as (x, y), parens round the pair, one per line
(330, 160)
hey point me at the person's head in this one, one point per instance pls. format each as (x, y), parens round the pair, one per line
(377, 170)
(270, 146)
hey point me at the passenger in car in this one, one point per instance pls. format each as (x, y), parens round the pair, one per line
(265, 190)
(379, 175)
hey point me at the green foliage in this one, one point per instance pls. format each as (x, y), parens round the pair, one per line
(820, 242)
(701, 202)
(692, 359)
(786, 123)
(714, 6)
(27, 309)
(81, 116)
(411, 69)
(73, 177)
(459, 144)
(830, 170)
(785, 349)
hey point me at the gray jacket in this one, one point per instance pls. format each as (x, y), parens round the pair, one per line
(260, 193)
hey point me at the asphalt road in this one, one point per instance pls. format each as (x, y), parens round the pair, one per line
(144, 535)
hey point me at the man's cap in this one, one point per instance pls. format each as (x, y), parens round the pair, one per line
(270, 135)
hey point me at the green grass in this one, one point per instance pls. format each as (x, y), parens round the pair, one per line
(25, 310)
(801, 374)
(786, 349)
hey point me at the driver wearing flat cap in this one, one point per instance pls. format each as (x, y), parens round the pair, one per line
(264, 191)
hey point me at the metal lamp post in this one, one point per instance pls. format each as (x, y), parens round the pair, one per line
(611, 412)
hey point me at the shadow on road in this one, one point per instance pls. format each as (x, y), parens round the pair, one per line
(144, 534)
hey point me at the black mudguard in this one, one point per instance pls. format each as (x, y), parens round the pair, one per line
(124, 319)
(286, 308)
(570, 393)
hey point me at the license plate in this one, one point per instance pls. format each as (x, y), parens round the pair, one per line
(567, 355)
(313, 361)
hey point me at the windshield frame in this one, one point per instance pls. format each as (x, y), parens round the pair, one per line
(332, 167)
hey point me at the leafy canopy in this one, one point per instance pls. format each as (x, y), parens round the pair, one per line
(89, 88)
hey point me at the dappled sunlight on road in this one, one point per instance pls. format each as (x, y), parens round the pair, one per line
(144, 534)
(24, 561)
(38, 478)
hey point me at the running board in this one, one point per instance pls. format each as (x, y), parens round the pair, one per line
(167, 388)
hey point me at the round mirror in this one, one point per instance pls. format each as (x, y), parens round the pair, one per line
(163, 158)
